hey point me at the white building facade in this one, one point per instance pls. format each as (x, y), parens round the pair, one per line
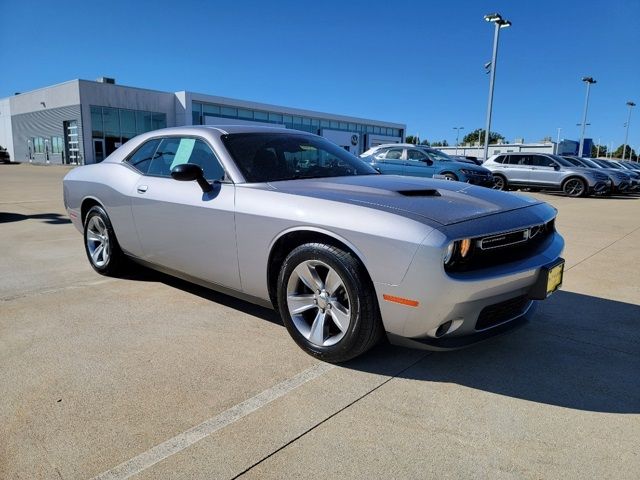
(82, 121)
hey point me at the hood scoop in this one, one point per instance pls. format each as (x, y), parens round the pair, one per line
(430, 192)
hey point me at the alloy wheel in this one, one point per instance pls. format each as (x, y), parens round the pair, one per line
(574, 187)
(98, 241)
(498, 182)
(318, 303)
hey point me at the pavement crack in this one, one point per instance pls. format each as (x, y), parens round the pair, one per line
(337, 412)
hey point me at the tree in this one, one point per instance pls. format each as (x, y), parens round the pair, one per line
(477, 136)
(598, 151)
(618, 153)
(425, 142)
(443, 143)
(412, 139)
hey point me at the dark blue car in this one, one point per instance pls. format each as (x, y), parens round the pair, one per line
(422, 161)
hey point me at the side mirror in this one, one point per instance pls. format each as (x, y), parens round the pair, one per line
(428, 161)
(187, 172)
(556, 166)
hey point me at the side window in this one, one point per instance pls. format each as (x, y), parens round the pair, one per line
(519, 160)
(206, 159)
(394, 154)
(141, 159)
(545, 161)
(416, 155)
(381, 153)
(500, 159)
(176, 151)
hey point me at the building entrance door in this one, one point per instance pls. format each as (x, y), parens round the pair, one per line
(98, 150)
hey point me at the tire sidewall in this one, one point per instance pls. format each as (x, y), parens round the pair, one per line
(504, 183)
(111, 264)
(584, 187)
(353, 284)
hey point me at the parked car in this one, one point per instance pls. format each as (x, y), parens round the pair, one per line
(620, 181)
(545, 172)
(4, 156)
(619, 167)
(291, 221)
(421, 161)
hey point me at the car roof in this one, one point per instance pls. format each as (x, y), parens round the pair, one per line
(401, 145)
(224, 129)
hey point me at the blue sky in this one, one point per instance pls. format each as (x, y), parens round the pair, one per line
(415, 62)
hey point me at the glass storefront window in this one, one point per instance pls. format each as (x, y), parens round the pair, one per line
(260, 116)
(229, 111)
(196, 113)
(96, 122)
(128, 123)
(210, 109)
(244, 113)
(315, 122)
(111, 121)
(343, 126)
(143, 122)
(275, 117)
(57, 145)
(334, 124)
(287, 119)
(324, 123)
(158, 120)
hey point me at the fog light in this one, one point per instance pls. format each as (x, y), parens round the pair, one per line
(442, 329)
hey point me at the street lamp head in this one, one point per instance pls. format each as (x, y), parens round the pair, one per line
(492, 17)
(589, 80)
(504, 24)
(631, 104)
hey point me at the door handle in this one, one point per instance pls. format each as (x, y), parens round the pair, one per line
(142, 188)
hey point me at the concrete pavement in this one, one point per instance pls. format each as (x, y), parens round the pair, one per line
(96, 373)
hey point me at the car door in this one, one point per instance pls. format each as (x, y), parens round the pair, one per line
(391, 161)
(544, 171)
(418, 164)
(179, 226)
(516, 169)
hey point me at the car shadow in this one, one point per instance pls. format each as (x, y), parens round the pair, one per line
(578, 352)
(49, 218)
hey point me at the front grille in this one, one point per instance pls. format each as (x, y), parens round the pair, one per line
(498, 249)
(501, 312)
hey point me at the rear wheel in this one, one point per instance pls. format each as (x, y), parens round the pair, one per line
(499, 182)
(101, 244)
(327, 302)
(574, 187)
(450, 176)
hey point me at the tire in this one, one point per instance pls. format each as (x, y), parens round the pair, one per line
(450, 176)
(499, 182)
(341, 322)
(98, 232)
(575, 187)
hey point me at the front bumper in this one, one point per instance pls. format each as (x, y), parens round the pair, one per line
(478, 304)
(480, 180)
(601, 187)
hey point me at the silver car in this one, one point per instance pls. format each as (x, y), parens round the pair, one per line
(288, 220)
(545, 172)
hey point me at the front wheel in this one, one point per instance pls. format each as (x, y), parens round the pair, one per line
(450, 176)
(327, 303)
(574, 187)
(101, 245)
(499, 182)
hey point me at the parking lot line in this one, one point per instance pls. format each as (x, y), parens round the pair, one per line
(185, 439)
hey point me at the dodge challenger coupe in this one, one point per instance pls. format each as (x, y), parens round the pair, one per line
(288, 220)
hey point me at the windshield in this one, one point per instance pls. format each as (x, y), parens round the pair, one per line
(605, 164)
(574, 161)
(269, 157)
(438, 156)
(591, 163)
(561, 161)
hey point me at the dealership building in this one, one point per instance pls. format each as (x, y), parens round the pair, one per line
(82, 121)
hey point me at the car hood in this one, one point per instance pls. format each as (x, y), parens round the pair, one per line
(440, 201)
(460, 164)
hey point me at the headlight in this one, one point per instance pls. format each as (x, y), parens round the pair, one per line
(448, 255)
(458, 250)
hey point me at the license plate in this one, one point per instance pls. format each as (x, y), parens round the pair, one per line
(554, 278)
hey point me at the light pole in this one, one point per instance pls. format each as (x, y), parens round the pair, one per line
(558, 140)
(457, 129)
(626, 135)
(499, 23)
(589, 81)
(598, 149)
